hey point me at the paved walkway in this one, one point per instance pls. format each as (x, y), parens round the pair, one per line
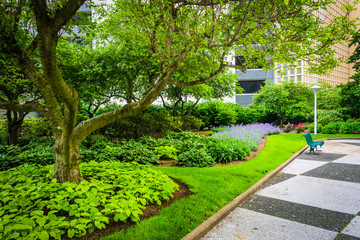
(314, 197)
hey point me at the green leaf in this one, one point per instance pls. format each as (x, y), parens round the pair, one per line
(43, 235)
(21, 227)
(41, 221)
(71, 233)
(99, 225)
(120, 216)
(37, 213)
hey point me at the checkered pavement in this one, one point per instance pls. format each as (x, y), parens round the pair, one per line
(314, 197)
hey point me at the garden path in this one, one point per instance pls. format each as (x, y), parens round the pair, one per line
(314, 197)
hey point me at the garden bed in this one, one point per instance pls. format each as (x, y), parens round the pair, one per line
(149, 211)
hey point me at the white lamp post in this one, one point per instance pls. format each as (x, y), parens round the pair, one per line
(315, 89)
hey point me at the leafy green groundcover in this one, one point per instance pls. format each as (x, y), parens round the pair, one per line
(34, 206)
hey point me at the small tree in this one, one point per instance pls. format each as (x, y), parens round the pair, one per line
(275, 98)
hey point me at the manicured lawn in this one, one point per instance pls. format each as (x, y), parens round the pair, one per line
(214, 188)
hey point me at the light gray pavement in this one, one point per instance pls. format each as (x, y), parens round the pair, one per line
(314, 197)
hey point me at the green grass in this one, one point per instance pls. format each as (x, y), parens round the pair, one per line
(214, 188)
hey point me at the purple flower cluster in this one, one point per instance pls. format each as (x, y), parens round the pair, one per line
(252, 134)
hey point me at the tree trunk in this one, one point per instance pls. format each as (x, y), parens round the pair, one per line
(281, 118)
(175, 113)
(14, 124)
(14, 134)
(192, 107)
(67, 161)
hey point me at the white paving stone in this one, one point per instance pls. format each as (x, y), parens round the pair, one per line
(353, 229)
(299, 166)
(348, 159)
(333, 195)
(250, 225)
(341, 147)
(346, 140)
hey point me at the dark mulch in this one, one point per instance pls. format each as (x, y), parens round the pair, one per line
(149, 211)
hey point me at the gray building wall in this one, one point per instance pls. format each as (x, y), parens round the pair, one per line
(252, 74)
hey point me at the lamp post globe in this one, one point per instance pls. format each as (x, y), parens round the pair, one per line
(315, 89)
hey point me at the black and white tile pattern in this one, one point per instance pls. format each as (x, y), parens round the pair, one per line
(314, 197)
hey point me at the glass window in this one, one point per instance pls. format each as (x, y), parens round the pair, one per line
(292, 78)
(299, 71)
(292, 71)
(299, 78)
(285, 78)
(299, 63)
(251, 86)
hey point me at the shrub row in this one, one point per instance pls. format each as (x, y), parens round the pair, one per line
(347, 127)
(188, 149)
(217, 113)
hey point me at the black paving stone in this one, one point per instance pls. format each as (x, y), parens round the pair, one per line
(280, 177)
(337, 171)
(318, 217)
(327, 157)
(346, 237)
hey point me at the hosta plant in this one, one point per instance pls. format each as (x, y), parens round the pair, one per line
(34, 206)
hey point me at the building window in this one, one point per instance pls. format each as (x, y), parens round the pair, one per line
(299, 78)
(292, 71)
(299, 63)
(251, 86)
(299, 71)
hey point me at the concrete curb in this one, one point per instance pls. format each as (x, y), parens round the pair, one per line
(211, 222)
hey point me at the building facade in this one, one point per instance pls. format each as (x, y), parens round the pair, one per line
(298, 73)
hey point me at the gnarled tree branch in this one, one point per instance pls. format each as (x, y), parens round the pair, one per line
(33, 106)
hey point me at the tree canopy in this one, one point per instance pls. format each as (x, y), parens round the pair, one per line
(350, 92)
(173, 37)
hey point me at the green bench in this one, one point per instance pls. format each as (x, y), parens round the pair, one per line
(313, 145)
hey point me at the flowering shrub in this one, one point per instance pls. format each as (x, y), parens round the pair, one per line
(252, 134)
(300, 127)
(288, 127)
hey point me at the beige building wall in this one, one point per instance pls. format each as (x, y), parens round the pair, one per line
(340, 74)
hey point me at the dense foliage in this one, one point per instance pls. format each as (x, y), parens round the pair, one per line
(350, 92)
(35, 206)
(181, 146)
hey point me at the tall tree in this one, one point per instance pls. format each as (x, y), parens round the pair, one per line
(172, 35)
(350, 92)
